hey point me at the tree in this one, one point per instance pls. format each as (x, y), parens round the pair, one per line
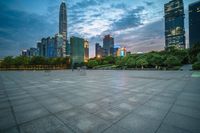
(156, 60)
(38, 60)
(8, 62)
(142, 62)
(193, 53)
(21, 61)
(110, 59)
(92, 63)
(198, 57)
(131, 62)
(172, 61)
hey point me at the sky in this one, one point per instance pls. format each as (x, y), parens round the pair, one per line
(135, 24)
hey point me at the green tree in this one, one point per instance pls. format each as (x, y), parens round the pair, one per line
(8, 62)
(172, 61)
(131, 62)
(21, 61)
(193, 53)
(198, 57)
(156, 60)
(142, 62)
(109, 59)
(92, 63)
(38, 60)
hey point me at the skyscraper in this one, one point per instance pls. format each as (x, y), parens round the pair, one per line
(77, 50)
(108, 45)
(174, 24)
(63, 19)
(194, 23)
(63, 26)
(86, 50)
(99, 51)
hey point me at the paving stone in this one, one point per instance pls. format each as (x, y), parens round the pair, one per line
(183, 121)
(116, 129)
(81, 121)
(25, 116)
(139, 124)
(151, 112)
(100, 101)
(48, 124)
(171, 129)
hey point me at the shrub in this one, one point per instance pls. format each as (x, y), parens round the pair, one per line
(92, 63)
(172, 61)
(196, 66)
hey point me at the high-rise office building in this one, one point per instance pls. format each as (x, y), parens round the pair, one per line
(39, 47)
(59, 45)
(51, 50)
(174, 24)
(194, 24)
(44, 47)
(67, 48)
(99, 51)
(63, 27)
(63, 19)
(108, 45)
(26, 52)
(86, 50)
(77, 50)
(34, 52)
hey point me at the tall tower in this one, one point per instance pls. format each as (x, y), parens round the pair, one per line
(108, 45)
(63, 19)
(174, 24)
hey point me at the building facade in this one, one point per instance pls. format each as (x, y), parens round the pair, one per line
(77, 50)
(51, 49)
(99, 51)
(174, 24)
(58, 45)
(86, 50)
(34, 52)
(63, 19)
(108, 45)
(194, 24)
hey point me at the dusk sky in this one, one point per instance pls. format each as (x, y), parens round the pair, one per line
(136, 24)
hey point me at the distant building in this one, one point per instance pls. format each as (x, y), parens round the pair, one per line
(119, 51)
(51, 49)
(86, 50)
(174, 24)
(34, 52)
(194, 24)
(59, 42)
(63, 19)
(128, 53)
(44, 47)
(123, 51)
(26, 52)
(99, 51)
(68, 49)
(39, 47)
(77, 50)
(108, 45)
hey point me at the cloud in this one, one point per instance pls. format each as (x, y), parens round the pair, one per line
(20, 30)
(149, 3)
(129, 20)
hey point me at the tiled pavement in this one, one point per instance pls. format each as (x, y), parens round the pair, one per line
(100, 101)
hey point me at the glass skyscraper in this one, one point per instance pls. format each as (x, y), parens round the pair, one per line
(194, 23)
(174, 24)
(63, 19)
(77, 50)
(108, 45)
